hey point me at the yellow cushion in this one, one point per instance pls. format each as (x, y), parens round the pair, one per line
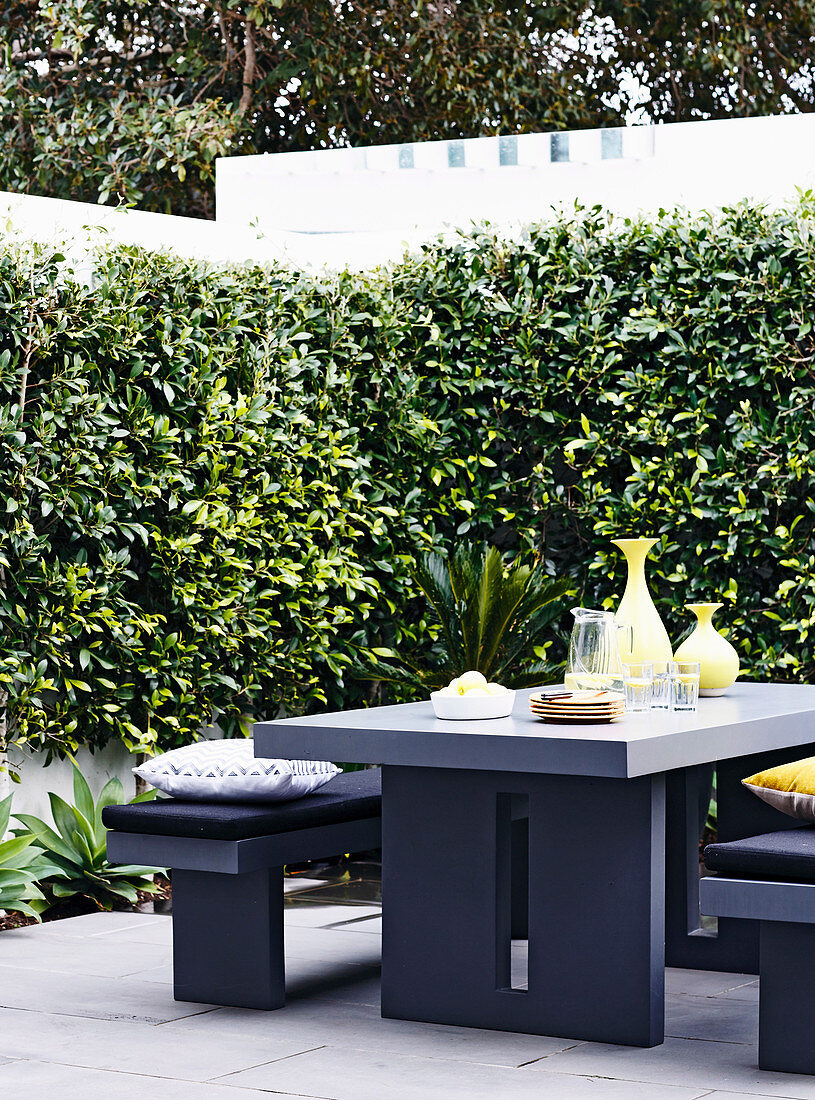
(790, 788)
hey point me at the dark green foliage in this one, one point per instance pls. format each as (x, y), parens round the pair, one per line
(715, 58)
(76, 848)
(489, 616)
(654, 379)
(181, 498)
(130, 101)
(220, 481)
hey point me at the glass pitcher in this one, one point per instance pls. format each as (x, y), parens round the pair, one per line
(594, 652)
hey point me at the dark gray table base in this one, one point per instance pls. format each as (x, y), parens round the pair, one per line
(595, 901)
(596, 889)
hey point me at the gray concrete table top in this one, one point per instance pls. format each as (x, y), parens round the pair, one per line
(750, 718)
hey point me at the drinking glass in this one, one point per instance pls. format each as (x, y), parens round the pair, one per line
(638, 676)
(684, 685)
(661, 690)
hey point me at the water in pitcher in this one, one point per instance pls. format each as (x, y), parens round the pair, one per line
(594, 652)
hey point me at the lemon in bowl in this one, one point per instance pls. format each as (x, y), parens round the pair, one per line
(470, 696)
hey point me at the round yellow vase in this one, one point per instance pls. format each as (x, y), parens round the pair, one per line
(647, 639)
(718, 660)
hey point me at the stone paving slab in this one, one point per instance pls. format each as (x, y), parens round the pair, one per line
(45, 991)
(94, 924)
(36, 1079)
(693, 1063)
(364, 1075)
(99, 956)
(709, 983)
(136, 1047)
(361, 1027)
(86, 1010)
(310, 915)
(335, 944)
(717, 1019)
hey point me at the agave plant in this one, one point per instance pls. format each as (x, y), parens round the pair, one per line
(77, 850)
(21, 866)
(493, 617)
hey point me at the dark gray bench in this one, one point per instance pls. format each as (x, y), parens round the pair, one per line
(227, 870)
(771, 878)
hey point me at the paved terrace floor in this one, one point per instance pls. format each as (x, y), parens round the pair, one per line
(87, 1012)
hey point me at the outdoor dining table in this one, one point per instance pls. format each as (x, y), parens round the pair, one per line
(583, 838)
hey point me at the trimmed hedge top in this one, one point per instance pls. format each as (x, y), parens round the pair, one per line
(214, 480)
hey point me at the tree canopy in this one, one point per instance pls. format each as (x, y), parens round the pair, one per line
(132, 100)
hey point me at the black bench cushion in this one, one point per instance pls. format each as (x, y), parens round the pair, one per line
(350, 796)
(785, 855)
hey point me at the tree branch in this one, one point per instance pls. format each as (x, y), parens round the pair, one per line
(27, 353)
(249, 67)
(107, 60)
(231, 52)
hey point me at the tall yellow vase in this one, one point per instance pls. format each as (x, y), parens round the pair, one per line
(648, 639)
(718, 660)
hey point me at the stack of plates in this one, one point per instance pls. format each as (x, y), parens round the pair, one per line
(579, 706)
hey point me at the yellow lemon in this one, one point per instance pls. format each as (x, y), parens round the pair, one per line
(469, 680)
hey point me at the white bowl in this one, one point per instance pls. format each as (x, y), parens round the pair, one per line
(461, 708)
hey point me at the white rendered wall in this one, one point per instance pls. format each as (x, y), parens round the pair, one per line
(30, 796)
(76, 227)
(371, 202)
(37, 779)
(364, 206)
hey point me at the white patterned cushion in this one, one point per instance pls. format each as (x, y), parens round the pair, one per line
(228, 771)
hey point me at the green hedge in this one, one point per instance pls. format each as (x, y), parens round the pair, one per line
(220, 476)
(182, 503)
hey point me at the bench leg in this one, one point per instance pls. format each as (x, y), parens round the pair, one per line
(228, 938)
(786, 1018)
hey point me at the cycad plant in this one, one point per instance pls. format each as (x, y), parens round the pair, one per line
(77, 848)
(492, 616)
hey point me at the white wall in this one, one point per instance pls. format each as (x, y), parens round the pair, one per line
(77, 227)
(38, 779)
(30, 796)
(361, 207)
(368, 203)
